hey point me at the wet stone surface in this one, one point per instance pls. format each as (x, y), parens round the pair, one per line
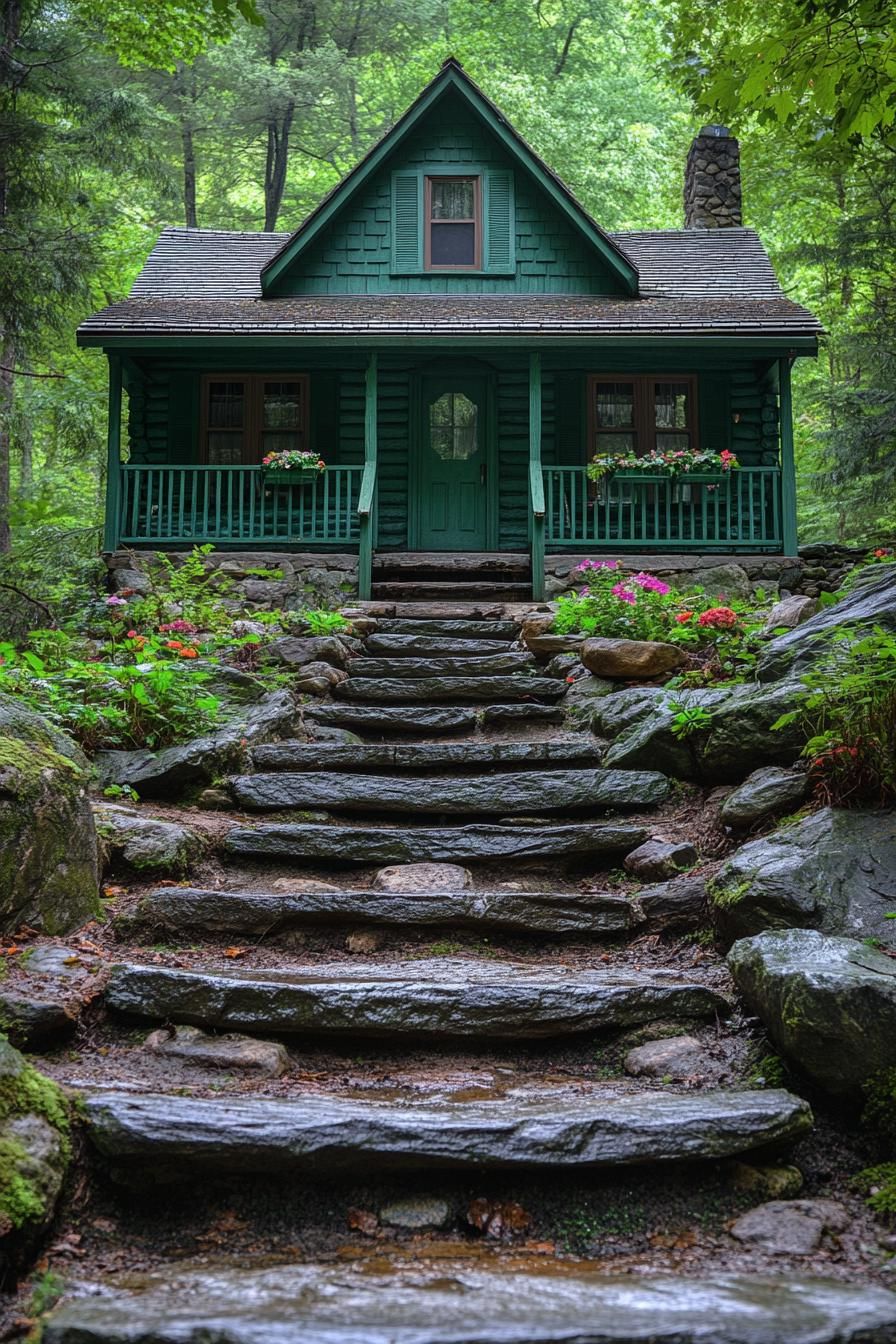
(374, 844)
(160, 1137)
(466, 1304)
(440, 996)
(404, 899)
(518, 792)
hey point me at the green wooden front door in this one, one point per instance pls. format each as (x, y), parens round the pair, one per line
(453, 470)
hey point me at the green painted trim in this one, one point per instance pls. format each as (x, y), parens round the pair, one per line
(788, 465)
(450, 77)
(112, 528)
(367, 498)
(536, 480)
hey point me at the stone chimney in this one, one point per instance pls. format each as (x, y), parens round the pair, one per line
(712, 181)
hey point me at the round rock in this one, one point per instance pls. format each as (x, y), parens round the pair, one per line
(430, 877)
(659, 859)
(675, 1057)
(630, 659)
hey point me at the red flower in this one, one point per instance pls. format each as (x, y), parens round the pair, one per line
(718, 618)
(188, 653)
(683, 617)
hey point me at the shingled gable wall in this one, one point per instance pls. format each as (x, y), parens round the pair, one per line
(354, 255)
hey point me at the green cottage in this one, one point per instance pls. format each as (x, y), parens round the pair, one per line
(456, 338)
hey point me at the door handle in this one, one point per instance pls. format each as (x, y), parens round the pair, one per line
(482, 474)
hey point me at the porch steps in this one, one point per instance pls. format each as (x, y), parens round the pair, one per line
(462, 576)
(419, 590)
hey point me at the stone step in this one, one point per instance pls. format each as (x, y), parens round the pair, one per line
(501, 716)
(425, 646)
(156, 1137)
(459, 564)
(516, 793)
(451, 665)
(381, 719)
(459, 627)
(249, 913)
(299, 755)
(424, 590)
(434, 689)
(421, 844)
(465, 1302)
(447, 998)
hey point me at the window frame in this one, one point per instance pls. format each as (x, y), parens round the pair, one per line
(644, 426)
(428, 179)
(253, 427)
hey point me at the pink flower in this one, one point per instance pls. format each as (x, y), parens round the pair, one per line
(624, 594)
(718, 618)
(587, 565)
(651, 583)
(116, 601)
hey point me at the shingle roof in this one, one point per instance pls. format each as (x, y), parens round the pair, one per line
(441, 315)
(699, 281)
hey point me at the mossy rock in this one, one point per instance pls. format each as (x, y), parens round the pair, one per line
(35, 1151)
(49, 874)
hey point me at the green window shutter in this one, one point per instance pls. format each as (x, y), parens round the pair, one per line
(500, 227)
(407, 223)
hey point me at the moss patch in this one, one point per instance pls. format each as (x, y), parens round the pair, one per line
(725, 894)
(29, 1178)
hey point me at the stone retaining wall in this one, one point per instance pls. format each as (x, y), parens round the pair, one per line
(819, 568)
(289, 580)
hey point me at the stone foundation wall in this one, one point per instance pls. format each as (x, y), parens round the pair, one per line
(819, 568)
(258, 579)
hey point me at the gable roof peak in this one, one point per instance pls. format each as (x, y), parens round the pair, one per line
(453, 75)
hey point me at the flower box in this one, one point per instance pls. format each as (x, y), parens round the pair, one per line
(290, 475)
(678, 477)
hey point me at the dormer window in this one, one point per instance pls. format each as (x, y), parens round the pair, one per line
(453, 213)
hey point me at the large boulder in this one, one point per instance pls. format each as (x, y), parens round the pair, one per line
(870, 602)
(203, 759)
(34, 1154)
(834, 871)
(828, 1004)
(631, 659)
(49, 875)
(738, 735)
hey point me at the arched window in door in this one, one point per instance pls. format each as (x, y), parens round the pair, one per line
(453, 427)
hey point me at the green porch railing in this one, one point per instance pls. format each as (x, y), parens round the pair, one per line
(742, 510)
(192, 505)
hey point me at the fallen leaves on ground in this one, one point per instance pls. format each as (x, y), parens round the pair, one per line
(363, 1221)
(498, 1219)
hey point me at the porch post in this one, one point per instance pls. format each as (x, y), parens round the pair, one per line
(112, 528)
(536, 481)
(788, 468)
(367, 499)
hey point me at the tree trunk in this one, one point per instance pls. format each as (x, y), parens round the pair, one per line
(189, 160)
(275, 165)
(7, 383)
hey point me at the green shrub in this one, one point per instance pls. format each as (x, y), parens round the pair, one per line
(849, 719)
(878, 1184)
(722, 639)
